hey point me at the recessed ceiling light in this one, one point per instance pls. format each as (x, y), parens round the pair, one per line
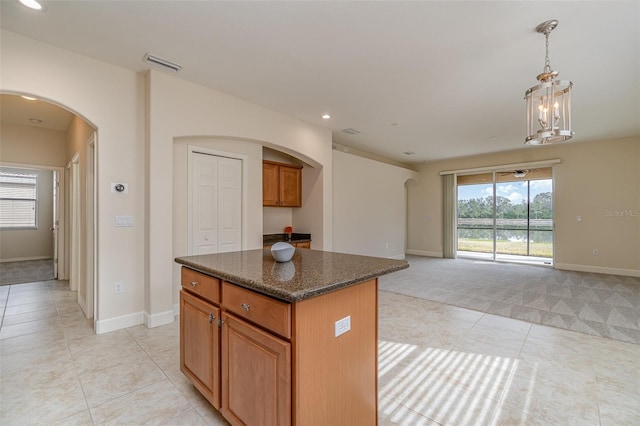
(32, 4)
(35, 120)
(326, 116)
(493, 138)
(29, 98)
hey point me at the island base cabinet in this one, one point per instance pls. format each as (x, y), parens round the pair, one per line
(200, 345)
(256, 375)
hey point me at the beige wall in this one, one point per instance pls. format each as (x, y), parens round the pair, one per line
(112, 99)
(598, 181)
(369, 206)
(137, 118)
(31, 145)
(178, 109)
(37, 243)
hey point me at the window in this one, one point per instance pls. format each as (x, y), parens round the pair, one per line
(18, 199)
(506, 216)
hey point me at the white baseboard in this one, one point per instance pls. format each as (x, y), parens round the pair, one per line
(156, 320)
(424, 253)
(118, 323)
(176, 310)
(398, 256)
(598, 269)
(22, 259)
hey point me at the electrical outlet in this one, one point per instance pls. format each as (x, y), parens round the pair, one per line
(342, 326)
(118, 288)
(596, 252)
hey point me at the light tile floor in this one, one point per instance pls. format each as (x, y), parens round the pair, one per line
(438, 364)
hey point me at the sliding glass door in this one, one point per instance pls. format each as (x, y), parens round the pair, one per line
(506, 216)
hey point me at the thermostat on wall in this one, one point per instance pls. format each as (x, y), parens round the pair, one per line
(121, 188)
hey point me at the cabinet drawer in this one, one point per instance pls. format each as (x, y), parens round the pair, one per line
(264, 311)
(203, 285)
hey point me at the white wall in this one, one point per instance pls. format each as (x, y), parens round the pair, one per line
(369, 206)
(26, 244)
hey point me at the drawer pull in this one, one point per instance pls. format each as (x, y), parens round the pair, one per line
(193, 283)
(245, 306)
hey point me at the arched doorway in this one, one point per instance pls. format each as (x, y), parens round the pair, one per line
(43, 135)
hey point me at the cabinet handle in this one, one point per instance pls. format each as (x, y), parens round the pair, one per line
(211, 318)
(193, 283)
(245, 306)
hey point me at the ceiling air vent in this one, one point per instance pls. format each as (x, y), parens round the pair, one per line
(351, 131)
(162, 62)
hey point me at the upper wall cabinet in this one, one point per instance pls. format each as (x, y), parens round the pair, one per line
(281, 184)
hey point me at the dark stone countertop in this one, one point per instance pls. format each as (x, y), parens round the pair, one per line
(270, 239)
(309, 273)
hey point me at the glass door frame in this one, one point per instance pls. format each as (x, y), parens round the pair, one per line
(494, 254)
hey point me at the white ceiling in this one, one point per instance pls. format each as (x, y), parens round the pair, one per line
(452, 75)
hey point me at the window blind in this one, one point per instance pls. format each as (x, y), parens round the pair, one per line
(18, 199)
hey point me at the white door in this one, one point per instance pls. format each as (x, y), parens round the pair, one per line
(216, 207)
(229, 204)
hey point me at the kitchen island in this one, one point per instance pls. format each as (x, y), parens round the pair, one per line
(283, 343)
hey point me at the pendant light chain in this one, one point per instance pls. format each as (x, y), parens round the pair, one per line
(547, 63)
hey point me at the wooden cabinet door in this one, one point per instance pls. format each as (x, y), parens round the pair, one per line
(290, 186)
(200, 345)
(306, 245)
(270, 184)
(256, 375)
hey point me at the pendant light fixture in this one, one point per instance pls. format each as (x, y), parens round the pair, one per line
(548, 103)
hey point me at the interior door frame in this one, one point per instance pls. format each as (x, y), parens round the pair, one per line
(193, 149)
(75, 226)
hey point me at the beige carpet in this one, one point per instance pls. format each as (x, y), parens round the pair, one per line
(596, 304)
(26, 271)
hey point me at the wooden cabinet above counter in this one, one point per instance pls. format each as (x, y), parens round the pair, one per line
(281, 184)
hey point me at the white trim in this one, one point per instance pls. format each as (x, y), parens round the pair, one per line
(424, 253)
(503, 167)
(21, 259)
(397, 256)
(118, 323)
(156, 320)
(176, 309)
(598, 269)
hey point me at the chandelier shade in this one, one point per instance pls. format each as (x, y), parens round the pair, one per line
(548, 103)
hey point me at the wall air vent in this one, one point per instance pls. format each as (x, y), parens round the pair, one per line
(162, 62)
(351, 131)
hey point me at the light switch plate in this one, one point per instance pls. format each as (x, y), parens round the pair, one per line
(342, 326)
(124, 221)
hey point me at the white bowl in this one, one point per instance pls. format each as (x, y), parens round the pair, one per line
(282, 252)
